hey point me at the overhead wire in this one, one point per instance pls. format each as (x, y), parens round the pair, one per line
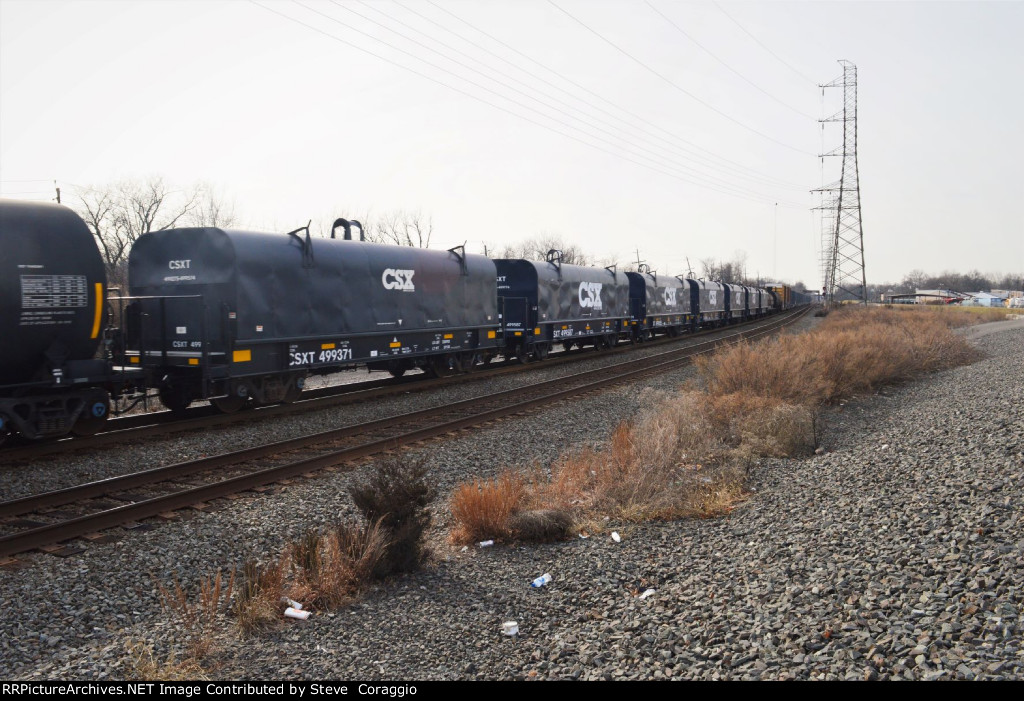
(654, 155)
(697, 149)
(757, 197)
(691, 150)
(762, 45)
(730, 68)
(675, 85)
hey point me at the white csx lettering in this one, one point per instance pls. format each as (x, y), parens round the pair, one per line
(590, 294)
(670, 296)
(398, 279)
(180, 264)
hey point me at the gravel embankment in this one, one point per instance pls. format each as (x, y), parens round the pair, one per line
(897, 553)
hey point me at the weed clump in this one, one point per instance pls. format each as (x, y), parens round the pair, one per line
(397, 497)
(483, 509)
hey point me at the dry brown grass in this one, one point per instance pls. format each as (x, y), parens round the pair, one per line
(956, 316)
(687, 456)
(657, 468)
(334, 567)
(853, 351)
(197, 614)
(142, 665)
(482, 508)
(258, 600)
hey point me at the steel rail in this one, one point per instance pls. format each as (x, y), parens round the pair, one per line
(58, 532)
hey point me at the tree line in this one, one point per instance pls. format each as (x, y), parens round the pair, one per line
(118, 214)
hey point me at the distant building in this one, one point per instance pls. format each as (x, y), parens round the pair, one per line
(985, 299)
(1008, 294)
(939, 296)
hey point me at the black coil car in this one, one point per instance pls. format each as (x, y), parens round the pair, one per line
(659, 304)
(552, 302)
(233, 315)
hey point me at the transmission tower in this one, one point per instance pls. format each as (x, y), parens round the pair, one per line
(842, 236)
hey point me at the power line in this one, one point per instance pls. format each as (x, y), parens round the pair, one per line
(694, 149)
(736, 72)
(735, 189)
(757, 198)
(674, 84)
(654, 155)
(777, 57)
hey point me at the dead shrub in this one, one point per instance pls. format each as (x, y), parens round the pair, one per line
(142, 665)
(754, 426)
(711, 493)
(338, 564)
(540, 525)
(397, 496)
(197, 614)
(482, 508)
(258, 601)
(853, 351)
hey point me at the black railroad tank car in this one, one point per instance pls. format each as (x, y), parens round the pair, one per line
(658, 304)
(52, 320)
(235, 315)
(550, 302)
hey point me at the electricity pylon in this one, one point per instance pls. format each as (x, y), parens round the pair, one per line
(842, 242)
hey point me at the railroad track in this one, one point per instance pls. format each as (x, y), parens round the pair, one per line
(159, 423)
(62, 515)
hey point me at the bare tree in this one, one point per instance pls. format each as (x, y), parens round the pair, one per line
(537, 248)
(211, 209)
(121, 213)
(734, 270)
(401, 228)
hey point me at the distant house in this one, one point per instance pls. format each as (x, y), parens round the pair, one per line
(986, 299)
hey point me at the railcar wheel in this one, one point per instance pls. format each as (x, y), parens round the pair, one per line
(176, 399)
(467, 361)
(441, 366)
(292, 394)
(229, 404)
(567, 345)
(522, 354)
(397, 368)
(93, 418)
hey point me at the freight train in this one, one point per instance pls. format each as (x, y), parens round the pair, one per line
(240, 317)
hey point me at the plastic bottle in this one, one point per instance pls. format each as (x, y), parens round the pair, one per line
(541, 580)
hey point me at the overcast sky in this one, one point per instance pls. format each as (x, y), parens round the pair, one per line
(682, 129)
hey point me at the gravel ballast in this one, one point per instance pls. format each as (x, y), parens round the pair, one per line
(895, 554)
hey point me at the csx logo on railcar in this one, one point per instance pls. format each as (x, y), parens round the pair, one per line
(590, 295)
(180, 264)
(670, 296)
(398, 279)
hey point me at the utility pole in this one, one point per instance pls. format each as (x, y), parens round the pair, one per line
(842, 232)
(58, 191)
